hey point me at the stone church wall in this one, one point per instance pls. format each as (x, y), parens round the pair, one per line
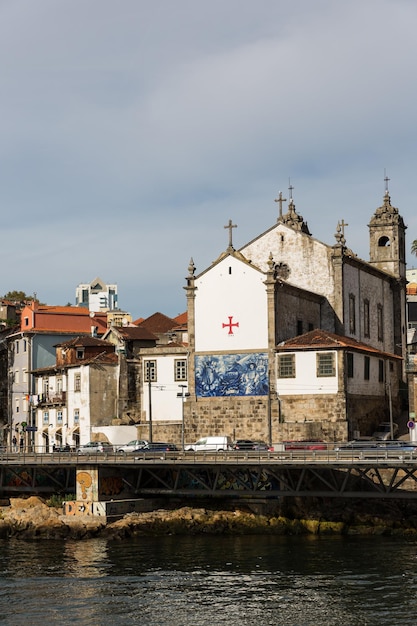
(296, 314)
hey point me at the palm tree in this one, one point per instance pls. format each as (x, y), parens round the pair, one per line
(414, 247)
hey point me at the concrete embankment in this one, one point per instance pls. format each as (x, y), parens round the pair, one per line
(32, 518)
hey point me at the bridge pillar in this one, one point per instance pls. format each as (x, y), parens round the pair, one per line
(87, 486)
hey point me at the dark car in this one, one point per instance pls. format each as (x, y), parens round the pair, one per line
(243, 444)
(248, 444)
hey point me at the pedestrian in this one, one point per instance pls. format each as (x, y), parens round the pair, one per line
(14, 444)
(22, 443)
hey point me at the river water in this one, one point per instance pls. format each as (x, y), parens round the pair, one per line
(210, 580)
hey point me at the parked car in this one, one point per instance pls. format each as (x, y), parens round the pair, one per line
(383, 431)
(243, 444)
(157, 446)
(213, 444)
(372, 448)
(399, 445)
(313, 444)
(132, 446)
(95, 447)
(248, 444)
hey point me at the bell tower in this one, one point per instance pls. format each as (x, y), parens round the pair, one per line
(387, 238)
(387, 253)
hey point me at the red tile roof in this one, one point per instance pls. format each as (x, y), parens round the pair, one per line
(322, 339)
(37, 317)
(135, 333)
(158, 323)
(182, 319)
(85, 341)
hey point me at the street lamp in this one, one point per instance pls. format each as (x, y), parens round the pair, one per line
(182, 394)
(149, 372)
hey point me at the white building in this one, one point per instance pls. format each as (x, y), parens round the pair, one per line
(97, 296)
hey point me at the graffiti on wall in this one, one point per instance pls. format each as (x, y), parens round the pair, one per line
(231, 375)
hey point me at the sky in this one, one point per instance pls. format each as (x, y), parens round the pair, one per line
(133, 130)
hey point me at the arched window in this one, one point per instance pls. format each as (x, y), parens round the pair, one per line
(384, 242)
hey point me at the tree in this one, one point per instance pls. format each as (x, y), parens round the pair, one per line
(17, 296)
(414, 247)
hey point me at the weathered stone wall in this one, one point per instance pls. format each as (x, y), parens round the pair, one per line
(103, 400)
(294, 308)
(302, 417)
(168, 431)
(238, 417)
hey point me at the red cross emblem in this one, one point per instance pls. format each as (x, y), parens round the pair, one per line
(230, 325)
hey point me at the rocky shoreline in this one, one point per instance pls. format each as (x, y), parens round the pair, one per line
(31, 518)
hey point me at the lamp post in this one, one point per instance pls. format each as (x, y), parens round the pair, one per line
(148, 372)
(391, 424)
(182, 394)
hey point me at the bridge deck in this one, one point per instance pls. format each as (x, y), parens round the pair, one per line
(380, 474)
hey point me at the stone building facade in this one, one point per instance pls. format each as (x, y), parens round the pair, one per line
(281, 286)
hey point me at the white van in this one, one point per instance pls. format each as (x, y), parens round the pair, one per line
(218, 444)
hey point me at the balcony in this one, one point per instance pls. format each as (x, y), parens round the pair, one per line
(52, 399)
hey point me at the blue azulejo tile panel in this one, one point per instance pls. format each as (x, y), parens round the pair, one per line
(231, 375)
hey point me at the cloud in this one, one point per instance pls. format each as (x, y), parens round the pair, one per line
(132, 133)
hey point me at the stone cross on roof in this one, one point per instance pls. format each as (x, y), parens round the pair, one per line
(280, 199)
(230, 226)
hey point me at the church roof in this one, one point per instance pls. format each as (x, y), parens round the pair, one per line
(321, 339)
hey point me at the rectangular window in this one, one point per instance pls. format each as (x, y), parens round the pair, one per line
(77, 382)
(45, 417)
(17, 406)
(59, 386)
(25, 345)
(366, 318)
(380, 322)
(350, 364)
(299, 327)
(80, 353)
(352, 314)
(180, 369)
(380, 371)
(325, 364)
(26, 321)
(17, 347)
(59, 417)
(16, 377)
(150, 371)
(76, 416)
(366, 367)
(45, 386)
(24, 375)
(286, 366)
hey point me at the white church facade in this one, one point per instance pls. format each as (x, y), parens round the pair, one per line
(291, 338)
